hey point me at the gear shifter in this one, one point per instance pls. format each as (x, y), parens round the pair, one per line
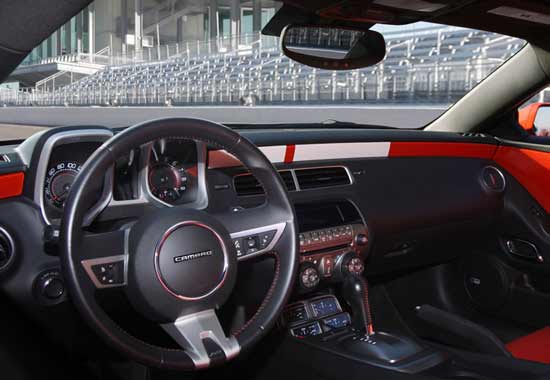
(367, 343)
(356, 293)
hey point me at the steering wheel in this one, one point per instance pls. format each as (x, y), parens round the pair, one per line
(177, 265)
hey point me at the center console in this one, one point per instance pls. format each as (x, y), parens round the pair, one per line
(330, 321)
(333, 241)
(333, 312)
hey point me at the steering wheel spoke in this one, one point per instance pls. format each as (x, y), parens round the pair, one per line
(104, 257)
(203, 339)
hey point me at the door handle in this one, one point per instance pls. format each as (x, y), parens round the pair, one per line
(523, 249)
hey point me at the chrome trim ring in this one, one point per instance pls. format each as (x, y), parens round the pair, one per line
(225, 252)
(500, 174)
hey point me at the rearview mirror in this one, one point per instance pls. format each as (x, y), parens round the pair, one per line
(332, 48)
(535, 119)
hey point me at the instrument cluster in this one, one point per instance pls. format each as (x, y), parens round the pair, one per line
(64, 165)
(172, 170)
(164, 171)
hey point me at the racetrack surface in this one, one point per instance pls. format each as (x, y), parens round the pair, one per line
(20, 122)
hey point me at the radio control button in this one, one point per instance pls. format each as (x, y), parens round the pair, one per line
(238, 247)
(327, 266)
(266, 238)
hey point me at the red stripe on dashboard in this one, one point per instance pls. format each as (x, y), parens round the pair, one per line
(529, 167)
(11, 185)
(289, 154)
(441, 149)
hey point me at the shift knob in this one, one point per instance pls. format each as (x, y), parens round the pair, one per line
(356, 293)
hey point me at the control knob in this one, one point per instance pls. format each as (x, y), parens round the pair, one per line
(50, 287)
(309, 277)
(355, 266)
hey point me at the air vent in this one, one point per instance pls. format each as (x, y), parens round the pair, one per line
(288, 179)
(322, 177)
(473, 134)
(6, 248)
(247, 184)
(4, 158)
(492, 179)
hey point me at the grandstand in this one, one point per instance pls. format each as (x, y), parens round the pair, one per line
(429, 65)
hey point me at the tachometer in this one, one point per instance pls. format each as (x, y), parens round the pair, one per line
(59, 180)
(167, 181)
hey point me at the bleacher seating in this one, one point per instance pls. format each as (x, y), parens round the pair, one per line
(435, 65)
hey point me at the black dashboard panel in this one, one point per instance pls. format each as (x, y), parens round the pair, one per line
(418, 210)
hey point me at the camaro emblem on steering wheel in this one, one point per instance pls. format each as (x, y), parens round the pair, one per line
(193, 256)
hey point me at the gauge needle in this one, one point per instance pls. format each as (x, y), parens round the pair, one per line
(65, 191)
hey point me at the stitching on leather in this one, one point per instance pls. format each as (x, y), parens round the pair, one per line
(275, 254)
(144, 342)
(367, 303)
(267, 297)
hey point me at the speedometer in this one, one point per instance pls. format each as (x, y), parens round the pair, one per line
(59, 180)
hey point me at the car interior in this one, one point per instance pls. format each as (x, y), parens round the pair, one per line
(181, 248)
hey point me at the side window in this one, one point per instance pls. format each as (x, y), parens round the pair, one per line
(534, 116)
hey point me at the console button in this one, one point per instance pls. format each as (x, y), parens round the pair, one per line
(310, 329)
(109, 273)
(238, 247)
(266, 238)
(338, 321)
(251, 244)
(327, 266)
(296, 314)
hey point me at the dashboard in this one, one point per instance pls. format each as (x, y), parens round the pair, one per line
(352, 200)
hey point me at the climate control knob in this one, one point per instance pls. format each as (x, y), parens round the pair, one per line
(309, 277)
(355, 265)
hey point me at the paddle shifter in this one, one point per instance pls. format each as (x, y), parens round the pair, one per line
(356, 293)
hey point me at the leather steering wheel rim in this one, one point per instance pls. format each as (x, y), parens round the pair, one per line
(72, 237)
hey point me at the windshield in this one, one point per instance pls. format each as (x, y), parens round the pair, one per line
(205, 56)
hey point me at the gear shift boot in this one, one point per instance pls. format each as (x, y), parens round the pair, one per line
(380, 346)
